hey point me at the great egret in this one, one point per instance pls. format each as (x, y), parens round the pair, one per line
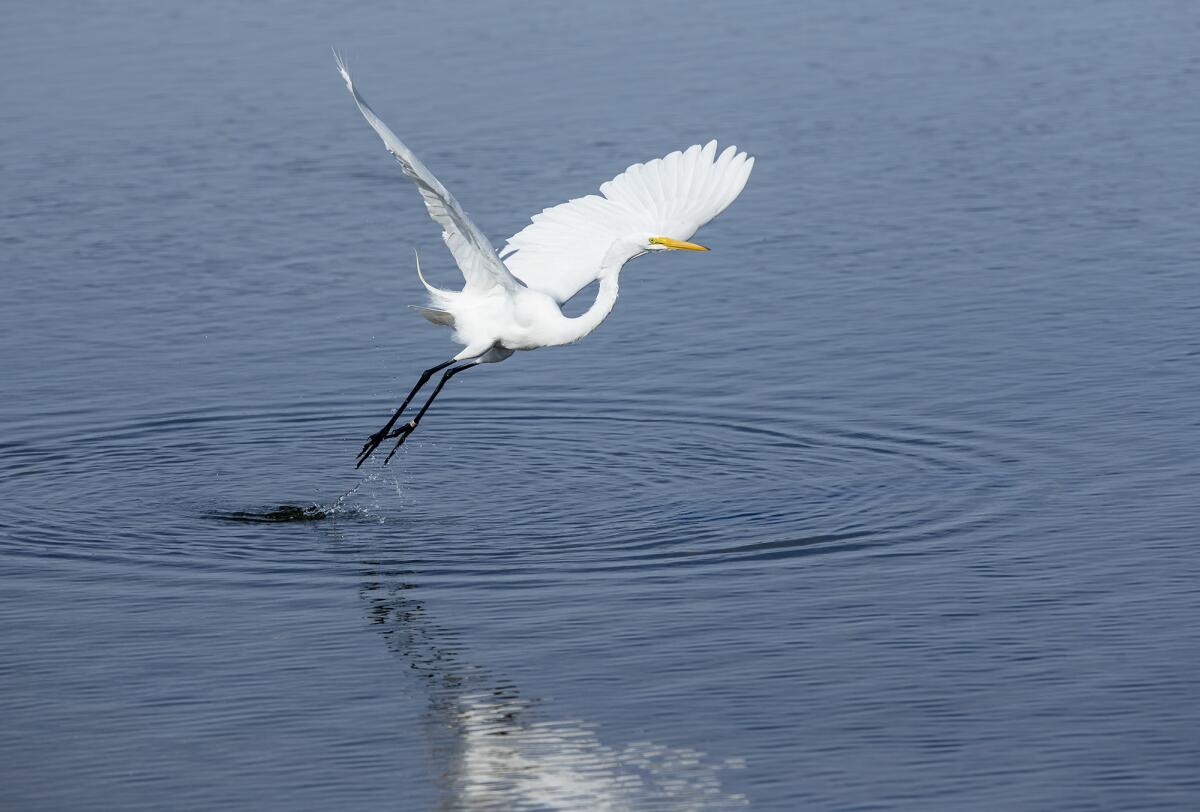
(511, 300)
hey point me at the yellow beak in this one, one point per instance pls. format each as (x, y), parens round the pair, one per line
(667, 242)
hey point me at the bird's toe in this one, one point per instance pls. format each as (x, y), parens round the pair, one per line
(405, 429)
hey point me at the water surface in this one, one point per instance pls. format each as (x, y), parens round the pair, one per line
(889, 502)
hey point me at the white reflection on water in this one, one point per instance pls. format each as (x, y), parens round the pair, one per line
(491, 748)
(562, 764)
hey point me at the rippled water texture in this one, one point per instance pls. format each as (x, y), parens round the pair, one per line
(889, 502)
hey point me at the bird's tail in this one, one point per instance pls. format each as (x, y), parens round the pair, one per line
(436, 316)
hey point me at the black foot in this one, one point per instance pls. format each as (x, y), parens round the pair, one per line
(370, 445)
(402, 432)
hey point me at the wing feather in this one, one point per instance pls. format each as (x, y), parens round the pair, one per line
(560, 251)
(472, 251)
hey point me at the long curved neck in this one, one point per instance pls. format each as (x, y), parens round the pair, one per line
(589, 320)
(620, 252)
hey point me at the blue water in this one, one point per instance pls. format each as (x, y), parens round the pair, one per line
(889, 502)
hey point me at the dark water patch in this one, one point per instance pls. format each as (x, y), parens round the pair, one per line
(280, 513)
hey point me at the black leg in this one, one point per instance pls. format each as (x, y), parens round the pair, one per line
(378, 437)
(411, 426)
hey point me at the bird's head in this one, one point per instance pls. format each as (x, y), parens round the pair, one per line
(668, 244)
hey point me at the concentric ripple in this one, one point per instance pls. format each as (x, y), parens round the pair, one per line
(557, 488)
(545, 486)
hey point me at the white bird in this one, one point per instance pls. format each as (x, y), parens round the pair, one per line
(511, 300)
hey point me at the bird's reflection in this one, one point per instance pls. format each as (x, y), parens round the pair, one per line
(494, 749)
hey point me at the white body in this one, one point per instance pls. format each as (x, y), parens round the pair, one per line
(521, 319)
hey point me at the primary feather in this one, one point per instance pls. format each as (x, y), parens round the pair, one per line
(472, 251)
(561, 250)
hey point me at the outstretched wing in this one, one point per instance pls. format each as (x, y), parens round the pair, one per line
(560, 252)
(472, 251)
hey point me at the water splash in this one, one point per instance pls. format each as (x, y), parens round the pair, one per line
(361, 501)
